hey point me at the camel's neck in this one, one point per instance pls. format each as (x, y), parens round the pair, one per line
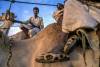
(4, 40)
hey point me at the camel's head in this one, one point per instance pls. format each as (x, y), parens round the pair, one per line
(8, 16)
(6, 20)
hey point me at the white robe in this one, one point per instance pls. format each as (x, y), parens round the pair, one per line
(76, 16)
(35, 21)
(33, 31)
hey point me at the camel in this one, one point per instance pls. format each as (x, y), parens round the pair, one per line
(7, 20)
(23, 53)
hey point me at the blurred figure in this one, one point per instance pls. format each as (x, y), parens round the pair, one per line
(58, 14)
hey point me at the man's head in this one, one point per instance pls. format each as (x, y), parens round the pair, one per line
(36, 11)
(60, 6)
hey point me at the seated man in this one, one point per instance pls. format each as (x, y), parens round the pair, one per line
(58, 14)
(35, 23)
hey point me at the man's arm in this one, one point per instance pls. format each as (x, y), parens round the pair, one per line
(26, 22)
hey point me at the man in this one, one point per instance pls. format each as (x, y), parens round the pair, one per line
(35, 23)
(58, 14)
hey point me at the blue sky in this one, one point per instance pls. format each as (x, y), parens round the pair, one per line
(24, 11)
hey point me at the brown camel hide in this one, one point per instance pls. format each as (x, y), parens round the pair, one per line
(23, 52)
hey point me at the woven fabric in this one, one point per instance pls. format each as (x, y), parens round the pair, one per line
(76, 16)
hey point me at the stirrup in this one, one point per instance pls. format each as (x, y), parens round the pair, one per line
(51, 58)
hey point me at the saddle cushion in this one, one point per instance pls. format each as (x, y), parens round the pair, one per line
(76, 16)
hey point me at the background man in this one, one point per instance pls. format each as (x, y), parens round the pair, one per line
(58, 14)
(35, 23)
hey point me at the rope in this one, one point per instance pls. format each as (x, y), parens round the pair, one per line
(84, 37)
(9, 47)
(31, 3)
(10, 56)
(82, 34)
(4, 40)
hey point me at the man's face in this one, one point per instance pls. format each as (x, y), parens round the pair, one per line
(35, 12)
(59, 6)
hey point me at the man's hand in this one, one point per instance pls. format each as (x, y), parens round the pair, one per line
(59, 14)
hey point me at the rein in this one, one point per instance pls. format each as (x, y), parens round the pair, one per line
(6, 45)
